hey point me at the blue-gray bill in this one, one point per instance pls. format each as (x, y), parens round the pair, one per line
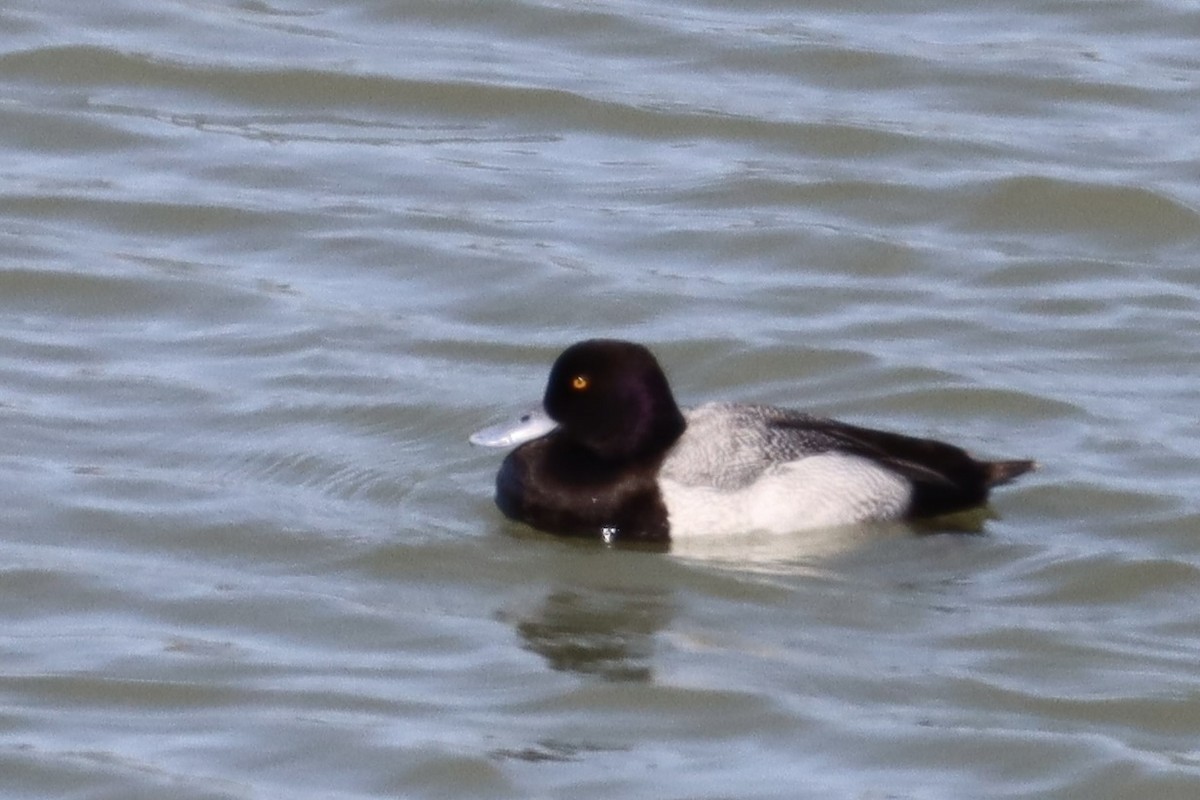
(525, 428)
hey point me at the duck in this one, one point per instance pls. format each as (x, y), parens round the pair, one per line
(614, 457)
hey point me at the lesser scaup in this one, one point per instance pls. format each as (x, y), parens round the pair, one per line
(619, 460)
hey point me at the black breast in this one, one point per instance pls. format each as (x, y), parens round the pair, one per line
(560, 488)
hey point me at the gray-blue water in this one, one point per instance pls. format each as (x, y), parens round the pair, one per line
(265, 265)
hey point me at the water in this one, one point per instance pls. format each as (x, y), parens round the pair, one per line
(266, 265)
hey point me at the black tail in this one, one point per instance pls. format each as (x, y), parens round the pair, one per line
(1001, 472)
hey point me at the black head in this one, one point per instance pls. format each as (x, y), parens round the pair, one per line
(612, 398)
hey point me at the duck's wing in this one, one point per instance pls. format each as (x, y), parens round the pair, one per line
(728, 446)
(945, 478)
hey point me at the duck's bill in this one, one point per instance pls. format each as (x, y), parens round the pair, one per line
(524, 428)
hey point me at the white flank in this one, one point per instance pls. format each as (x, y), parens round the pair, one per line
(818, 491)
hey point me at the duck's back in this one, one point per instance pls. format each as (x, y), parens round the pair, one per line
(728, 446)
(819, 471)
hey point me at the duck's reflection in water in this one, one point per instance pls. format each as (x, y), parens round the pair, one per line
(606, 633)
(610, 630)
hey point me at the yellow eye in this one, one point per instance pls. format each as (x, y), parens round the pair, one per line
(580, 382)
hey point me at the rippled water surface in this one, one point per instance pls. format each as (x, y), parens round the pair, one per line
(265, 265)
